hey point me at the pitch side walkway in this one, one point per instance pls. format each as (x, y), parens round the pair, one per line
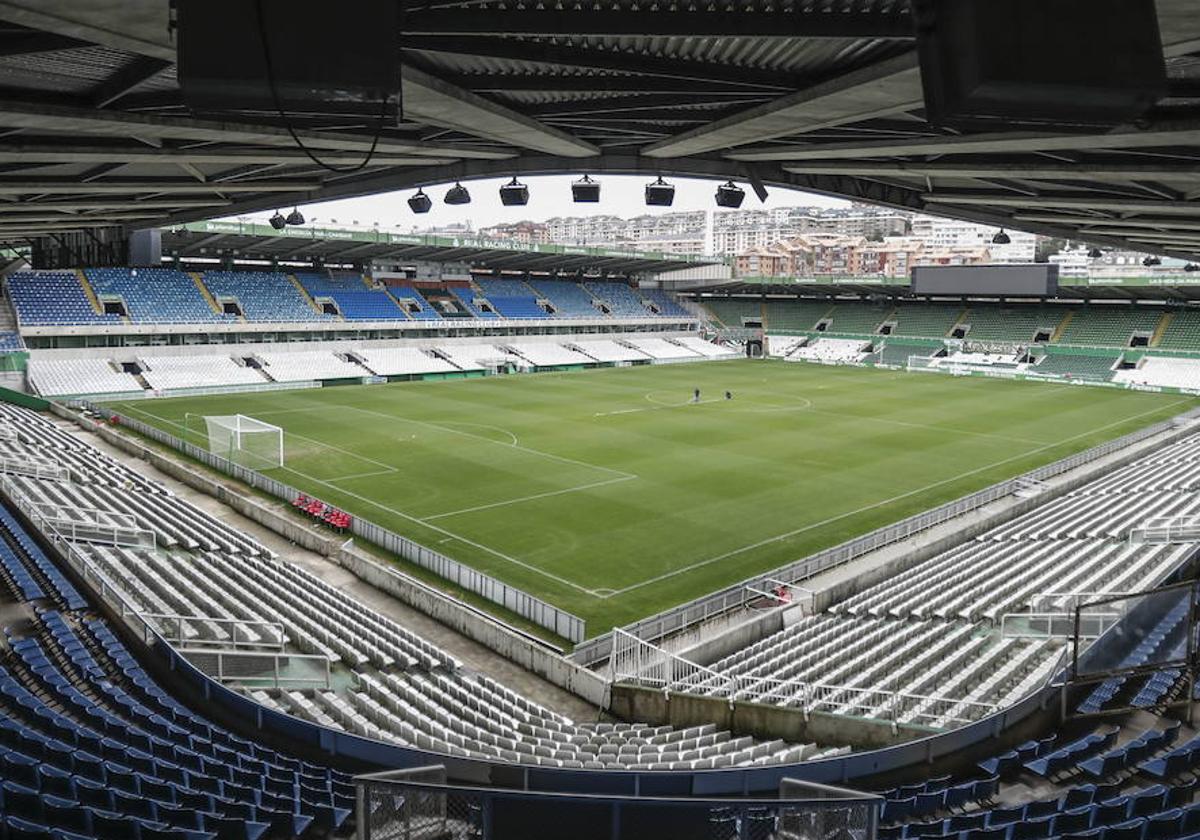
(473, 655)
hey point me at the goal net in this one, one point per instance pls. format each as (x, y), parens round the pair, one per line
(245, 441)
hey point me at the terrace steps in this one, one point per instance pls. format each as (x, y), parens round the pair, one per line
(303, 292)
(89, 292)
(1161, 327)
(204, 292)
(1062, 326)
(962, 317)
(387, 290)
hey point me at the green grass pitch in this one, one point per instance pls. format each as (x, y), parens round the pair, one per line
(608, 494)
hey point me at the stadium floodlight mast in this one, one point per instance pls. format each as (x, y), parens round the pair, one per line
(419, 202)
(585, 191)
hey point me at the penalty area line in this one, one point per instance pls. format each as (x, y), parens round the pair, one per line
(520, 499)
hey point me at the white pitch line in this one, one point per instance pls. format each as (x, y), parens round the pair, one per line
(657, 407)
(545, 495)
(364, 475)
(865, 508)
(449, 534)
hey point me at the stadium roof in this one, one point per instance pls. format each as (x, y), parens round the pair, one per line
(261, 241)
(1174, 286)
(822, 95)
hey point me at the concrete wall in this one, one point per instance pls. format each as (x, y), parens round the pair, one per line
(734, 639)
(461, 617)
(759, 720)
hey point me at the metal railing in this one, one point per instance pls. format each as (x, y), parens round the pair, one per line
(80, 524)
(420, 804)
(1167, 529)
(190, 631)
(35, 467)
(735, 596)
(256, 669)
(635, 662)
(529, 607)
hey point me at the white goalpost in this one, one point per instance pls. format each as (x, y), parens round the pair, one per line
(245, 441)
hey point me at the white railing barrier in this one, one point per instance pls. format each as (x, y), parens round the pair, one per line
(1168, 529)
(190, 631)
(261, 669)
(34, 466)
(1055, 625)
(79, 524)
(636, 662)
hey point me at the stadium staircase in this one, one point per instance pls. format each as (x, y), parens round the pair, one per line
(1062, 326)
(303, 292)
(387, 290)
(89, 292)
(8, 318)
(1161, 327)
(206, 294)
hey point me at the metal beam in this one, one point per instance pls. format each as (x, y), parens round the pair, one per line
(1179, 134)
(140, 27)
(602, 58)
(13, 43)
(1112, 224)
(1091, 202)
(134, 74)
(439, 103)
(885, 88)
(85, 122)
(54, 153)
(985, 169)
(177, 204)
(661, 23)
(597, 83)
(126, 186)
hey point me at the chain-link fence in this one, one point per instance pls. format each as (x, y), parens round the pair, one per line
(419, 804)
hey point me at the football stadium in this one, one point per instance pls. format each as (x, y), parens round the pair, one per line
(861, 528)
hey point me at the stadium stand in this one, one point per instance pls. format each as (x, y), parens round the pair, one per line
(546, 353)
(570, 300)
(53, 298)
(153, 295)
(10, 342)
(402, 361)
(831, 350)
(405, 689)
(795, 315)
(603, 350)
(470, 356)
(93, 747)
(620, 298)
(857, 319)
(353, 298)
(1162, 372)
(706, 348)
(71, 377)
(932, 320)
(1182, 331)
(664, 303)
(732, 312)
(660, 348)
(305, 366)
(262, 296)
(467, 296)
(1099, 368)
(1013, 325)
(1101, 325)
(166, 373)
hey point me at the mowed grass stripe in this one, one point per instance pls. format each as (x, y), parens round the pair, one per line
(520, 471)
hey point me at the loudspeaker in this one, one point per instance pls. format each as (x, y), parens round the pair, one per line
(585, 191)
(514, 194)
(660, 193)
(324, 60)
(1016, 64)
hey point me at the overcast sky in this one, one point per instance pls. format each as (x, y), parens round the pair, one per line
(620, 195)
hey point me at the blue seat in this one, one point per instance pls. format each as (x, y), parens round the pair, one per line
(1033, 829)
(232, 828)
(1164, 825)
(1006, 815)
(93, 794)
(897, 810)
(997, 833)
(1131, 830)
(19, 829)
(1078, 819)
(966, 822)
(19, 799)
(66, 814)
(1112, 810)
(1149, 801)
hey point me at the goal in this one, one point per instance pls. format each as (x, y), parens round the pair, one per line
(245, 441)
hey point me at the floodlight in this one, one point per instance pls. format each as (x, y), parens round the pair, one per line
(1191, 267)
(295, 217)
(1095, 254)
(660, 193)
(278, 222)
(1151, 261)
(1001, 238)
(419, 202)
(458, 195)
(585, 191)
(730, 194)
(512, 194)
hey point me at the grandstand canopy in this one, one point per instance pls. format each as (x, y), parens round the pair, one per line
(823, 95)
(1164, 287)
(253, 241)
